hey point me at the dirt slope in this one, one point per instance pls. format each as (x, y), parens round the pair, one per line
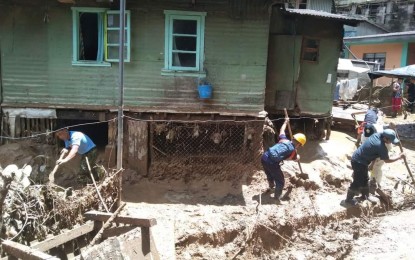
(209, 219)
(234, 218)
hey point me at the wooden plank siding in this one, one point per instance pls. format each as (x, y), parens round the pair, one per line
(37, 54)
(305, 81)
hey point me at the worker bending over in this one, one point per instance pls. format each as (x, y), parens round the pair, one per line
(78, 143)
(374, 147)
(273, 157)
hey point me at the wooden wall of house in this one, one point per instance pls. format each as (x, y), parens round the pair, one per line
(36, 55)
(296, 84)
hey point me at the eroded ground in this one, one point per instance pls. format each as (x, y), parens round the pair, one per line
(232, 217)
(207, 219)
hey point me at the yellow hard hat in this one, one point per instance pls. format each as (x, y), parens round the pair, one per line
(300, 138)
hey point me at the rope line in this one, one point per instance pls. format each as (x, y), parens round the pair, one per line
(54, 131)
(220, 121)
(404, 101)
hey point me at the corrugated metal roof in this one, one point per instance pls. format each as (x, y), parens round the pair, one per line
(320, 5)
(388, 36)
(349, 20)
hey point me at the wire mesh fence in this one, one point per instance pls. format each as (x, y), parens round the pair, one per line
(179, 149)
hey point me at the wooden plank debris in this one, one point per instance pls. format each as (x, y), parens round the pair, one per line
(117, 231)
(107, 224)
(67, 236)
(141, 222)
(24, 252)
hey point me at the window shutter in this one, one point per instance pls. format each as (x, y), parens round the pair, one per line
(112, 36)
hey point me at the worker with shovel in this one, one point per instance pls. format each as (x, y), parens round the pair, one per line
(374, 147)
(273, 157)
(78, 143)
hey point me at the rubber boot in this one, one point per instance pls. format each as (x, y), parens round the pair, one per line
(349, 201)
(366, 196)
(373, 186)
(278, 193)
(271, 186)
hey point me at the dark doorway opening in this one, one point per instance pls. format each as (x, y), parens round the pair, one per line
(98, 132)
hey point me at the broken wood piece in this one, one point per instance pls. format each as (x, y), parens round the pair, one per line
(107, 224)
(404, 182)
(64, 237)
(102, 216)
(386, 198)
(24, 252)
(95, 185)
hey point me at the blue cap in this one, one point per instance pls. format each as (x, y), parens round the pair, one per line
(391, 135)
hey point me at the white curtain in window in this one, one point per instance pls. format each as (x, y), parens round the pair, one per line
(100, 51)
(176, 58)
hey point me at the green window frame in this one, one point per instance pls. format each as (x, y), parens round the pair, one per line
(112, 34)
(310, 50)
(184, 46)
(105, 44)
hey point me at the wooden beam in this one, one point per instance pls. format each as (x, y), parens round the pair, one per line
(25, 252)
(116, 231)
(141, 222)
(60, 239)
(145, 242)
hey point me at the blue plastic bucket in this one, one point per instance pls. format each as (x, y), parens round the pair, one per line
(205, 91)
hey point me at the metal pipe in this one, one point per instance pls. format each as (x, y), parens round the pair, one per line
(120, 131)
(370, 93)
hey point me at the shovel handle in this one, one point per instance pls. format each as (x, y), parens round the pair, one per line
(291, 136)
(52, 174)
(404, 159)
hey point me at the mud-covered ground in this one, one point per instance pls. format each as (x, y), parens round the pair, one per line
(207, 219)
(232, 217)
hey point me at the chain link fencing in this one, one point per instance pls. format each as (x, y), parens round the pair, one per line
(181, 150)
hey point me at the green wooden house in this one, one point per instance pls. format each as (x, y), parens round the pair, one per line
(304, 47)
(62, 56)
(57, 55)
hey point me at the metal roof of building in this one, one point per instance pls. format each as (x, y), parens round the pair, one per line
(386, 36)
(349, 20)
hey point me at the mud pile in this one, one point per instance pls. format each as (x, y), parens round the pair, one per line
(212, 219)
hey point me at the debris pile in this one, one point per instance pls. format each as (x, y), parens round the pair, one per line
(33, 211)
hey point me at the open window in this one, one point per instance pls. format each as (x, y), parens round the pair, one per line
(184, 41)
(96, 36)
(310, 50)
(376, 57)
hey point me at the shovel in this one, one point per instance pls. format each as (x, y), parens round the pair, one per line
(302, 175)
(404, 159)
(52, 174)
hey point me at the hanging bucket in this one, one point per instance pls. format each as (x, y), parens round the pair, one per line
(205, 91)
